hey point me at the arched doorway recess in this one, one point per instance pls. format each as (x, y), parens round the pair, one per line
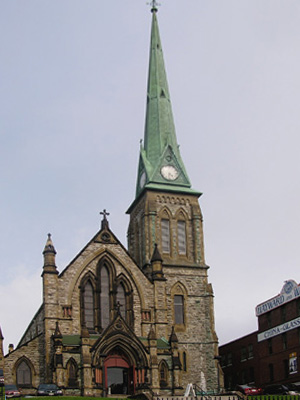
(120, 360)
(119, 374)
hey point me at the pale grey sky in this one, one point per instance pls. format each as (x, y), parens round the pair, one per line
(73, 77)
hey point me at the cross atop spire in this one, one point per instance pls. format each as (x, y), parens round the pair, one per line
(154, 4)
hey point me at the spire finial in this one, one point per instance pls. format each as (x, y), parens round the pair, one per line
(49, 245)
(154, 4)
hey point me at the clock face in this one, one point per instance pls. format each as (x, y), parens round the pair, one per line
(143, 179)
(169, 172)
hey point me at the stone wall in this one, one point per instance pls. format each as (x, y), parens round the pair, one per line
(32, 352)
(35, 328)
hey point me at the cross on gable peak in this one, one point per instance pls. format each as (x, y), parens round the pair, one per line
(104, 222)
(104, 213)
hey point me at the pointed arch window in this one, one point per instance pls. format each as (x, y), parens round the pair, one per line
(163, 374)
(99, 295)
(179, 309)
(165, 235)
(72, 373)
(179, 305)
(104, 297)
(121, 299)
(181, 235)
(23, 375)
(88, 305)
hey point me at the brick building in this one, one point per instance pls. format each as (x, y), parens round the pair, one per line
(136, 320)
(270, 354)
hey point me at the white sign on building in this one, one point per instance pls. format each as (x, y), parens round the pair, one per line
(290, 291)
(278, 330)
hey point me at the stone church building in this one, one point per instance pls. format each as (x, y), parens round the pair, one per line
(128, 321)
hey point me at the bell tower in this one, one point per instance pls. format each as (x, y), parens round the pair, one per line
(165, 211)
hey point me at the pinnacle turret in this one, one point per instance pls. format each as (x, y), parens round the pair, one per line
(49, 257)
(156, 265)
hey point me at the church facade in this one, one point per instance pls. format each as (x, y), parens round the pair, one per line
(139, 320)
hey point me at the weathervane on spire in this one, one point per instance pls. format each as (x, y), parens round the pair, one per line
(154, 4)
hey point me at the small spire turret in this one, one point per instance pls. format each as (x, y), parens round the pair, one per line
(156, 263)
(173, 337)
(151, 335)
(156, 254)
(57, 334)
(49, 257)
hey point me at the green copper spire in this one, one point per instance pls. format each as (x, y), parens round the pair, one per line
(160, 164)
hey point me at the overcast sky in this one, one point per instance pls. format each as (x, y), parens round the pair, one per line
(73, 77)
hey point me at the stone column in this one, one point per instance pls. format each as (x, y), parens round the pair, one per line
(153, 361)
(86, 362)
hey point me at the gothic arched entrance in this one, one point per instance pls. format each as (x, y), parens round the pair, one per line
(119, 374)
(120, 360)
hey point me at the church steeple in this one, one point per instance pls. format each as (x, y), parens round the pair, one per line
(160, 163)
(165, 210)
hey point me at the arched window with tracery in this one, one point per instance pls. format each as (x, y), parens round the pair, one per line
(23, 373)
(165, 228)
(104, 297)
(179, 296)
(165, 236)
(88, 305)
(181, 237)
(124, 296)
(163, 374)
(72, 373)
(121, 299)
(181, 218)
(100, 294)
(179, 309)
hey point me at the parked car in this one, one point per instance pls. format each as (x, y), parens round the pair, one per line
(248, 390)
(48, 389)
(279, 389)
(12, 391)
(294, 388)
